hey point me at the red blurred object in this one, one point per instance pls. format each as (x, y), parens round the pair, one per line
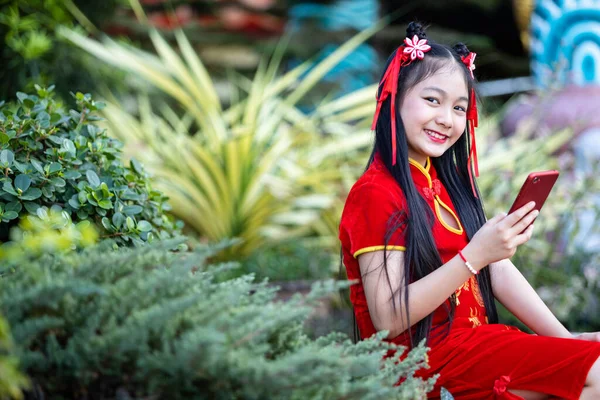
(168, 20)
(250, 17)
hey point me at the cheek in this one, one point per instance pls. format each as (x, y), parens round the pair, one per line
(461, 125)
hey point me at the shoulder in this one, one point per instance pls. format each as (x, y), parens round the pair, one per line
(375, 204)
(373, 200)
(375, 187)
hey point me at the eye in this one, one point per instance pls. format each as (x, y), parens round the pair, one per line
(432, 100)
(460, 108)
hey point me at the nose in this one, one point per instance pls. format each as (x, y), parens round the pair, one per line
(444, 117)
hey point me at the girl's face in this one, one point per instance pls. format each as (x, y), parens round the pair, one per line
(434, 113)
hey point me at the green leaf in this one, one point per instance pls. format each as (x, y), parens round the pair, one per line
(82, 214)
(136, 166)
(38, 166)
(43, 116)
(8, 187)
(74, 203)
(31, 207)
(22, 167)
(21, 96)
(106, 204)
(55, 139)
(54, 118)
(82, 197)
(6, 158)
(9, 215)
(106, 224)
(129, 194)
(42, 213)
(47, 191)
(92, 178)
(54, 167)
(118, 219)
(91, 200)
(130, 223)
(22, 182)
(72, 174)
(105, 192)
(144, 226)
(58, 182)
(69, 146)
(14, 206)
(132, 210)
(32, 194)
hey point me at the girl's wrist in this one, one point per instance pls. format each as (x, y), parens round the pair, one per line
(473, 257)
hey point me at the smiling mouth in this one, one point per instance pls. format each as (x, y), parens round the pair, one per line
(438, 137)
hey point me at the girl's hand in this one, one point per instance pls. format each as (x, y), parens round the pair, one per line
(499, 238)
(590, 336)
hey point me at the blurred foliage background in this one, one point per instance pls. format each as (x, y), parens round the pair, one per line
(252, 117)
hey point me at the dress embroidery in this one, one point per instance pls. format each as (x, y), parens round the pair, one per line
(476, 291)
(465, 287)
(475, 317)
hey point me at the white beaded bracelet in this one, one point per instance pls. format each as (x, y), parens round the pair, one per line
(467, 263)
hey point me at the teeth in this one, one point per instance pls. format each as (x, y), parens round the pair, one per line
(435, 135)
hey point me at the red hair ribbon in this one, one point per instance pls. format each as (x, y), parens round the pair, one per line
(472, 121)
(411, 50)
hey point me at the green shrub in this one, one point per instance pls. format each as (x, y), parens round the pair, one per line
(53, 158)
(32, 53)
(11, 381)
(153, 323)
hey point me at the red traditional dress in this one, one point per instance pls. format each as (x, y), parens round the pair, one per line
(475, 359)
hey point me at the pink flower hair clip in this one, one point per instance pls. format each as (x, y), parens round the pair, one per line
(416, 48)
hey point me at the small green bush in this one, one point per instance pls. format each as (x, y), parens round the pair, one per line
(52, 158)
(11, 380)
(153, 323)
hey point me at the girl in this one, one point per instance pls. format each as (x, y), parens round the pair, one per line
(429, 265)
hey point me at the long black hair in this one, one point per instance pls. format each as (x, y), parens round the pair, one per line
(421, 256)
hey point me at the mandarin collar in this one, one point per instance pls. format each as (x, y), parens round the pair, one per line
(422, 175)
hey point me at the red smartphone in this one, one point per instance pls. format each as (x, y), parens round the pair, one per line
(536, 188)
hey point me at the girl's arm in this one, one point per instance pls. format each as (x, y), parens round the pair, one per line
(425, 295)
(497, 239)
(516, 294)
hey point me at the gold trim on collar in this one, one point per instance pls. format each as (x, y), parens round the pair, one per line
(423, 169)
(437, 200)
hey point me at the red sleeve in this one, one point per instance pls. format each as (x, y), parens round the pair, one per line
(367, 216)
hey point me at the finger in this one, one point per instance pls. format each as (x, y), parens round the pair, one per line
(516, 216)
(525, 236)
(499, 217)
(524, 223)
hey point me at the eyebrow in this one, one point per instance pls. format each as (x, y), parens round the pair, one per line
(443, 92)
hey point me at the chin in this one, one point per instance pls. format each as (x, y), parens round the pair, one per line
(435, 154)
